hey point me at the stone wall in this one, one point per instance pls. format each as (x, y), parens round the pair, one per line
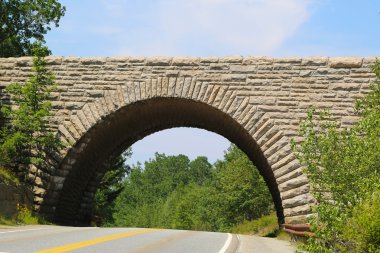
(256, 102)
(11, 196)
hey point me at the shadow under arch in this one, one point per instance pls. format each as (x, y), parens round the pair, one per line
(117, 131)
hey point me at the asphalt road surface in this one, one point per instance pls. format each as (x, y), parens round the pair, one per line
(43, 239)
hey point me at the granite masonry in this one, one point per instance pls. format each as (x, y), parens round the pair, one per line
(104, 105)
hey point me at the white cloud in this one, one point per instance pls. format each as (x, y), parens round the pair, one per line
(184, 27)
(200, 27)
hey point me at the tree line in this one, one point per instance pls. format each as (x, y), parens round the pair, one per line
(176, 192)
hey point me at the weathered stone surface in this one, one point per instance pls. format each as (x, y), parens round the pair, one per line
(256, 102)
(305, 209)
(11, 196)
(293, 183)
(297, 219)
(295, 192)
(299, 200)
(185, 61)
(345, 62)
(159, 61)
(315, 61)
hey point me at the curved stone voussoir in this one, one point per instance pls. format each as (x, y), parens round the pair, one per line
(293, 183)
(283, 150)
(300, 200)
(79, 127)
(90, 117)
(303, 189)
(298, 210)
(287, 168)
(291, 173)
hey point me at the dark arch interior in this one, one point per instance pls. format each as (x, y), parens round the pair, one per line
(119, 130)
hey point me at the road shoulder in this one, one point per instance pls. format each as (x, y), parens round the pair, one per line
(256, 244)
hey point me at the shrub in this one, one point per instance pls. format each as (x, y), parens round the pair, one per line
(25, 216)
(343, 167)
(362, 230)
(25, 139)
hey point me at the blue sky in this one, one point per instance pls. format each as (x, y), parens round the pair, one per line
(214, 27)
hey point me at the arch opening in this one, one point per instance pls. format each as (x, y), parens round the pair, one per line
(117, 131)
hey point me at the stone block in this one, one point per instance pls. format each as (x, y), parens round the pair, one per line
(185, 61)
(293, 183)
(345, 62)
(299, 200)
(315, 61)
(159, 61)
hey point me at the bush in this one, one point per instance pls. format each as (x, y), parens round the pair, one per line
(362, 230)
(343, 167)
(25, 216)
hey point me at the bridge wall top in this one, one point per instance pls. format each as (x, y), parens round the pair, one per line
(283, 87)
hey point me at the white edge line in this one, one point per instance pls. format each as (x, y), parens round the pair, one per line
(34, 229)
(239, 243)
(226, 244)
(23, 230)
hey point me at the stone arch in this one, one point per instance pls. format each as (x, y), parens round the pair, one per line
(139, 108)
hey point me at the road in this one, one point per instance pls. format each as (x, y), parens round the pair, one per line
(54, 239)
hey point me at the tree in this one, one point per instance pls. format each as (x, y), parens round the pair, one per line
(201, 171)
(144, 199)
(245, 194)
(110, 187)
(343, 166)
(25, 21)
(174, 192)
(26, 138)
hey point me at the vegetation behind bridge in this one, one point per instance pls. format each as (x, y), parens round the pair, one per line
(174, 192)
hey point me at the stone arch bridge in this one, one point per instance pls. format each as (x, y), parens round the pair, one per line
(104, 105)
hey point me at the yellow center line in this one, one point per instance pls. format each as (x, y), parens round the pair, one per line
(91, 242)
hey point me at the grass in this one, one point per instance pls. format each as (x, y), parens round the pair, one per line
(7, 222)
(8, 178)
(282, 235)
(24, 217)
(266, 226)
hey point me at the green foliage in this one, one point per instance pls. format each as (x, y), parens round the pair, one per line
(195, 208)
(110, 187)
(263, 226)
(25, 139)
(245, 194)
(25, 216)
(174, 192)
(362, 229)
(145, 190)
(25, 21)
(343, 166)
(4, 221)
(8, 178)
